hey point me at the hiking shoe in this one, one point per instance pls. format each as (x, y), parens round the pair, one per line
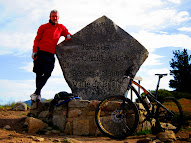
(38, 98)
(33, 97)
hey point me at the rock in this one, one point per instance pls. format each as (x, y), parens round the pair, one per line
(144, 141)
(39, 139)
(7, 127)
(47, 132)
(81, 127)
(56, 140)
(25, 125)
(97, 57)
(59, 121)
(44, 114)
(68, 128)
(70, 140)
(56, 132)
(74, 113)
(157, 141)
(20, 106)
(35, 125)
(167, 136)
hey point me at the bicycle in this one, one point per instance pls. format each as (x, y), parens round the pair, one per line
(118, 117)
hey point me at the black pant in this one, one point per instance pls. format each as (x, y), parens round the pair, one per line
(43, 67)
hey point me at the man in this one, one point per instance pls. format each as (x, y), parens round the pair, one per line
(44, 49)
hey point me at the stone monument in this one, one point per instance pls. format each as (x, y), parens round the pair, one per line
(97, 57)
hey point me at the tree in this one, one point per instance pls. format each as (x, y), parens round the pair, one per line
(181, 71)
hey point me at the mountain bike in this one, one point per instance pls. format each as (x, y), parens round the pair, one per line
(118, 117)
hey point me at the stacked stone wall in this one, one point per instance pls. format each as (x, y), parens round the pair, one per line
(80, 118)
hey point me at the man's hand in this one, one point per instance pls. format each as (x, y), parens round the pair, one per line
(34, 56)
(68, 37)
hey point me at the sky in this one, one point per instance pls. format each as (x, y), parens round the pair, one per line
(161, 26)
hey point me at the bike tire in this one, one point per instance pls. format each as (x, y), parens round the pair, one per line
(164, 120)
(117, 117)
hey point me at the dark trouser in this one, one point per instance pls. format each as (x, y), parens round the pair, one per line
(43, 67)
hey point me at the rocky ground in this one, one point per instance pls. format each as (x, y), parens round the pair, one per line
(17, 133)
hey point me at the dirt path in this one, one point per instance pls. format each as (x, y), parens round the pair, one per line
(18, 134)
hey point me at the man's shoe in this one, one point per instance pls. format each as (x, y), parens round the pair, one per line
(38, 98)
(33, 97)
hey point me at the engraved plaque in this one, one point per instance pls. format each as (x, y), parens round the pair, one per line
(97, 57)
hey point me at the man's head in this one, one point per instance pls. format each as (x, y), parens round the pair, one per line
(54, 16)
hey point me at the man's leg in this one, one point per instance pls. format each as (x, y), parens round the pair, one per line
(45, 68)
(37, 92)
(41, 81)
(48, 66)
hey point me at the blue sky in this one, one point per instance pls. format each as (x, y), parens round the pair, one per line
(162, 26)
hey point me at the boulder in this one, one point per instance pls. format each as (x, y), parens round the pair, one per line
(167, 136)
(59, 121)
(20, 106)
(35, 125)
(97, 57)
(7, 127)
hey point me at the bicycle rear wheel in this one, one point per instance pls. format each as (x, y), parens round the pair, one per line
(169, 120)
(117, 117)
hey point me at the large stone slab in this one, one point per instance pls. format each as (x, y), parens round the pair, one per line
(97, 57)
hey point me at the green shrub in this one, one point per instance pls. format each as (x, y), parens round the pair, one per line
(145, 132)
(179, 95)
(163, 93)
(11, 105)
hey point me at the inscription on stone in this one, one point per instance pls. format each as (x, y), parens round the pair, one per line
(97, 57)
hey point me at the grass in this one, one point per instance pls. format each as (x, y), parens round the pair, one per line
(11, 105)
(145, 132)
(66, 141)
(189, 129)
(186, 106)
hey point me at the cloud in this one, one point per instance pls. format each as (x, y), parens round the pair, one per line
(150, 79)
(181, 17)
(25, 20)
(152, 41)
(16, 42)
(153, 59)
(57, 72)
(185, 29)
(17, 90)
(21, 18)
(20, 90)
(175, 1)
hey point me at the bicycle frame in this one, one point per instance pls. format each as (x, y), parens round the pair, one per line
(151, 98)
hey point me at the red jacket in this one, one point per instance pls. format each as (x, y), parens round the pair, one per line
(47, 37)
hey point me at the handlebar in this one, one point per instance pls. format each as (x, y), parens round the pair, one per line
(161, 75)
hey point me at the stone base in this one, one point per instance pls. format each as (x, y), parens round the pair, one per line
(80, 119)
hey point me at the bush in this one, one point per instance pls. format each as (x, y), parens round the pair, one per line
(163, 93)
(179, 95)
(11, 105)
(145, 132)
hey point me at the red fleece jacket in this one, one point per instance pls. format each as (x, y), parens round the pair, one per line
(47, 37)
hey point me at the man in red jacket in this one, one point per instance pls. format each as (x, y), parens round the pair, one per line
(44, 49)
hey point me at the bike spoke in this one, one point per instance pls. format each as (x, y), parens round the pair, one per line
(169, 115)
(117, 117)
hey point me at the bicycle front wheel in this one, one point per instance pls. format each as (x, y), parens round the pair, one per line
(171, 117)
(117, 117)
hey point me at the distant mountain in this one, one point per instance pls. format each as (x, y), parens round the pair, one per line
(28, 102)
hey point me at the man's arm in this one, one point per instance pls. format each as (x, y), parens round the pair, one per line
(38, 38)
(65, 33)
